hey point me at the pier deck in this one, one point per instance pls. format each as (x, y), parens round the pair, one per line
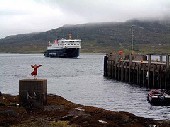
(140, 70)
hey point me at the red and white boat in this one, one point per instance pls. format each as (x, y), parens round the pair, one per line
(159, 97)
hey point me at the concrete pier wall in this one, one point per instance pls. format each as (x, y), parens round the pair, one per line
(33, 92)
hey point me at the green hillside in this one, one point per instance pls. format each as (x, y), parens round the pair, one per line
(149, 36)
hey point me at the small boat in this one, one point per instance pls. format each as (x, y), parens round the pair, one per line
(159, 97)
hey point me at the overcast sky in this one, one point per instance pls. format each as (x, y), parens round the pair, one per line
(26, 16)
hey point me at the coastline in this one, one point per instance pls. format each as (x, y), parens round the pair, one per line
(61, 112)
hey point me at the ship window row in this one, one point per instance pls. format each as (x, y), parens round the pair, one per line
(71, 44)
(70, 41)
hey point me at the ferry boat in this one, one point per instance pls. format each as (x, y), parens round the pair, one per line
(64, 48)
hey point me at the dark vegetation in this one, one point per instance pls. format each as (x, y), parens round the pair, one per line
(149, 36)
(62, 113)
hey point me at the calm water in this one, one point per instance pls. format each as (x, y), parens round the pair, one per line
(80, 81)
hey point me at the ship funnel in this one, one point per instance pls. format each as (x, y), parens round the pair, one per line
(69, 36)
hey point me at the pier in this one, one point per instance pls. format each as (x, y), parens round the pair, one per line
(141, 70)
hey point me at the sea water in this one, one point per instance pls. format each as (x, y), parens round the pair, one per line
(79, 80)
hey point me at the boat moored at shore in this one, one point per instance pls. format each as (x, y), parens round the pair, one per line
(159, 97)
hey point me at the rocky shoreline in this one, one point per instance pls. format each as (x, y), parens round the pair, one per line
(62, 113)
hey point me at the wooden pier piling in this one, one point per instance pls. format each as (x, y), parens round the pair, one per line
(139, 69)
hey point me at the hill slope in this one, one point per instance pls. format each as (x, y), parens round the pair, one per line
(149, 36)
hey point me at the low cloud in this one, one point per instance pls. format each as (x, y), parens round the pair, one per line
(18, 16)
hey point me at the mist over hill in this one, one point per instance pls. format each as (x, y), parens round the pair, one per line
(149, 36)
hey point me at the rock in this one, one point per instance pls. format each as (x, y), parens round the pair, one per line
(67, 117)
(54, 108)
(2, 104)
(9, 113)
(80, 109)
(102, 121)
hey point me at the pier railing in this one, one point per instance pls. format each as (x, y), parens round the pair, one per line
(139, 69)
